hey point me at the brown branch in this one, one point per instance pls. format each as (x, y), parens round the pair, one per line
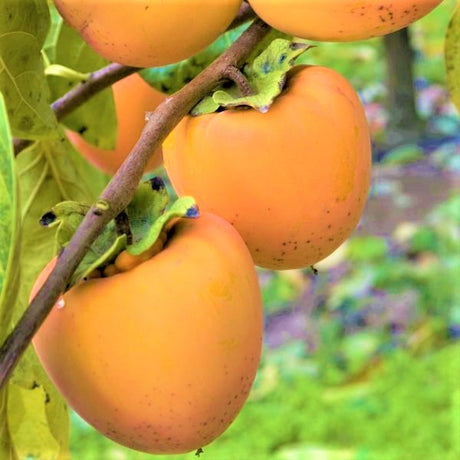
(245, 14)
(98, 81)
(119, 192)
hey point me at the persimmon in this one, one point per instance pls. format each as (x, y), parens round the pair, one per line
(341, 20)
(148, 33)
(161, 357)
(293, 181)
(133, 98)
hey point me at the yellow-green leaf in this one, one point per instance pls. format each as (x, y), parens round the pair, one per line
(23, 28)
(9, 271)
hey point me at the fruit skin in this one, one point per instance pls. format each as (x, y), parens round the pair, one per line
(341, 20)
(161, 358)
(148, 33)
(133, 98)
(293, 181)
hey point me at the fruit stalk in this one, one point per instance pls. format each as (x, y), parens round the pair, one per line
(120, 190)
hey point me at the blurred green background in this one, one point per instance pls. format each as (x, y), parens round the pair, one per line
(362, 361)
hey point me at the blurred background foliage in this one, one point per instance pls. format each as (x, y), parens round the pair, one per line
(362, 361)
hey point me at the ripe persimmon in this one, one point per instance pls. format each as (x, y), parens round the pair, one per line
(161, 357)
(148, 33)
(133, 98)
(341, 20)
(293, 181)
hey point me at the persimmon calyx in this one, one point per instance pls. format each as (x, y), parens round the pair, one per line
(145, 223)
(265, 75)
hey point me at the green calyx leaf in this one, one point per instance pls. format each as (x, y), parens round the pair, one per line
(66, 216)
(135, 230)
(183, 207)
(266, 75)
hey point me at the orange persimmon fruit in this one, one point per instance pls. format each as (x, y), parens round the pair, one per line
(293, 181)
(341, 20)
(161, 357)
(148, 33)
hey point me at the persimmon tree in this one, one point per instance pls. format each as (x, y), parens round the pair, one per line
(98, 227)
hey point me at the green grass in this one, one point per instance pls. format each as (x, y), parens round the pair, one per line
(408, 409)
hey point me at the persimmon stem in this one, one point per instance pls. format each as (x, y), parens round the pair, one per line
(120, 191)
(235, 74)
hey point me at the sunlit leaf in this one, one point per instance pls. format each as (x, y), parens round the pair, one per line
(9, 264)
(23, 28)
(48, 172)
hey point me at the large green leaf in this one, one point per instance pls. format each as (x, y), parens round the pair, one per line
(452, 53)
(38, 419)
(9, 264)
(95, 119)
(48, 172)
(23, 28)
(9, 224)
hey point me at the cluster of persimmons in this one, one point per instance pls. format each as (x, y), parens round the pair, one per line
(159, 351)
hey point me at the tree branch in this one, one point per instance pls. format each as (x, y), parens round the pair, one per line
(98, 81)
(245, 14)
(120, 190)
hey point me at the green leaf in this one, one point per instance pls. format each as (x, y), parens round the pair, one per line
(67, 217)
(96, 119)
(38, 418)
(172, 78)
(266, 75)
(48, 172)
(452, 57)
(183, 207)
(147, 205)
(23, 28)
(9, 248)
(9, 224)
